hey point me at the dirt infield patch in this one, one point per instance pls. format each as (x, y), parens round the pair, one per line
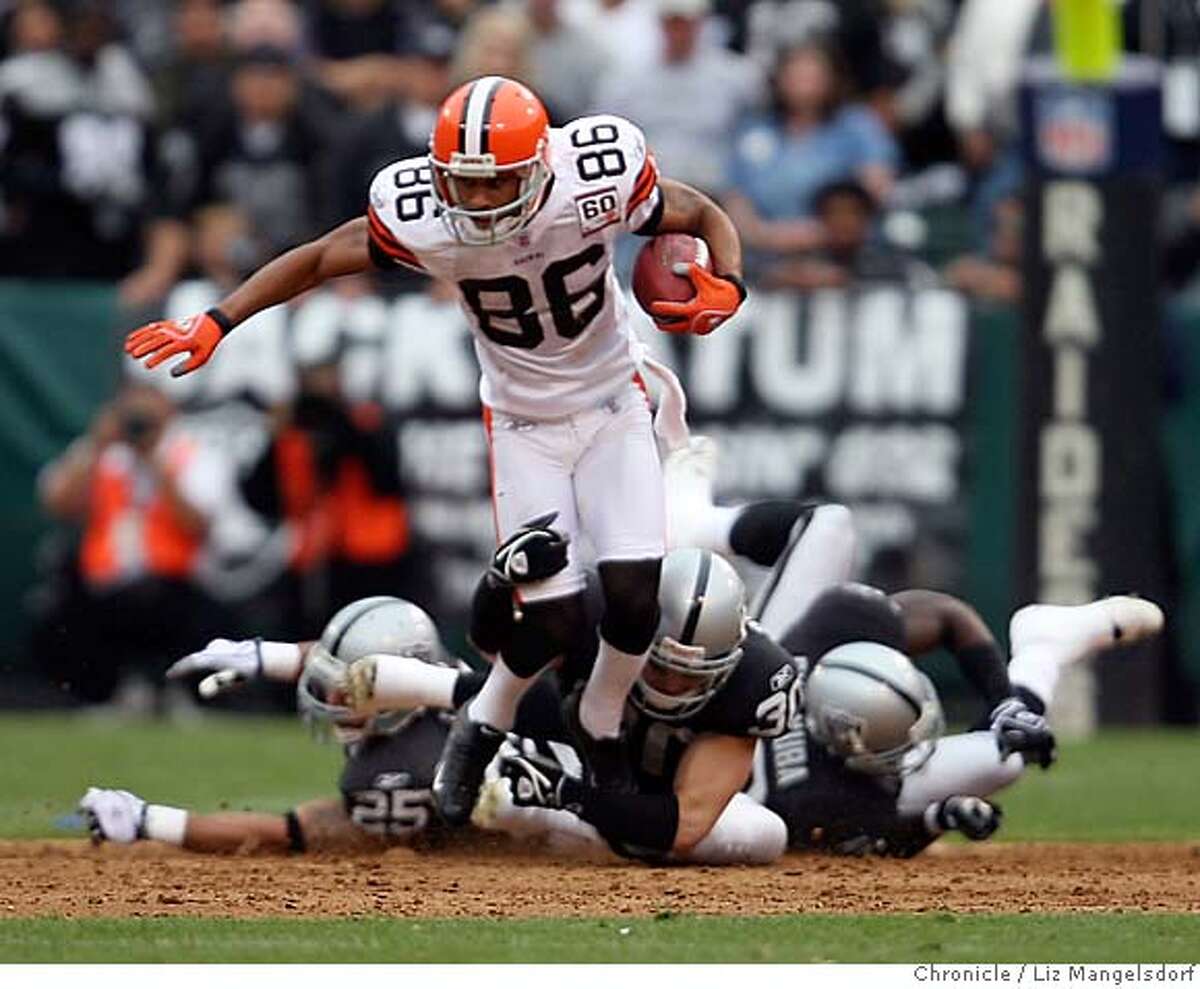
(72, 879)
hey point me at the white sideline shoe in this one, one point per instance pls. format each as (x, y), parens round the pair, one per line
(113, 815)
(1087, 628)
(688, 474)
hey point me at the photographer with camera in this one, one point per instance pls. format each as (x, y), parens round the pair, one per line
(144, 494)
(331, 474)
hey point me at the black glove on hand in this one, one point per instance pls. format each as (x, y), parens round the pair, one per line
(536, 778)
(533, 552)
(1018, 729)
(973, 817)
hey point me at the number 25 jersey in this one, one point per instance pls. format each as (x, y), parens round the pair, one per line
(549, 320)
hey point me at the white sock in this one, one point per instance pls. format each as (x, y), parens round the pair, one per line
(403, 682)
(822, 557)
(1036, 668)
(496, 704)
(711, 527)
(163, 823)
(603, 701)
(746, 833)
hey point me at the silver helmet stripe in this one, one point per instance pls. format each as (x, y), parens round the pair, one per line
(478, 112)
(693, 617)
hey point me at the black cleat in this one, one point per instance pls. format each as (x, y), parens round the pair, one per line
(469, 748)
(606, 764)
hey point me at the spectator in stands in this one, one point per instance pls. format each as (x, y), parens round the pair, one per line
(32, 26)
(145, 495)
(811, 138)
(194, 81)
(852, 253)
(986, 50)
(689, 98)
(626, 30)
(994, 275)
(398, 129)
(267, 152)
(80, 163)
(567, 60)
(331, 471)
(496, 41)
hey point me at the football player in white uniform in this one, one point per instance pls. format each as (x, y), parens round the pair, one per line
(522, 218)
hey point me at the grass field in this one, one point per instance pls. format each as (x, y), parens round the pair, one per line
(1119, 787)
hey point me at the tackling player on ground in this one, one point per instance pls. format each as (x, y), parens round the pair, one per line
(522, 218)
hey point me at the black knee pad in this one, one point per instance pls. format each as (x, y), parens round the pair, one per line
(630, 603)
(762, 531)
(547, 629)
(846, 613)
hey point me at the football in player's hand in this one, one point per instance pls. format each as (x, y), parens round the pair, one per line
(654, 276)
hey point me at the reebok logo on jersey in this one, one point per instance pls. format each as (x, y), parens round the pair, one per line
(782, 677)
(597, 210)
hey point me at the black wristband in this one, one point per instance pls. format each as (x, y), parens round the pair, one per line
(737, 283)
(984, 667)
(642, 820)
(218, 317)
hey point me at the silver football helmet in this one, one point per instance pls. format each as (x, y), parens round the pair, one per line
(700, 634)
(867, 703)
(381, 624)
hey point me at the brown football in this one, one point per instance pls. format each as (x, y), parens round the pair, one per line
(653, 277)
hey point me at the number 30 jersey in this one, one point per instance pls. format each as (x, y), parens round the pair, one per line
(549, 320)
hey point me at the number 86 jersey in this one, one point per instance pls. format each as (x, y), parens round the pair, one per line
(549, 321)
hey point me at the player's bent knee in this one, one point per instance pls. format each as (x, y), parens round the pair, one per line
(547, 630)
(630, 603)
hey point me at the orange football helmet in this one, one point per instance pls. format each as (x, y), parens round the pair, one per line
(486, 129)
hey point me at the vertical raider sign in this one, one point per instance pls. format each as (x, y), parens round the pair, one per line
(1090, 509)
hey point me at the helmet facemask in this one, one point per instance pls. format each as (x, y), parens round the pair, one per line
(492, 225)
(707, 674)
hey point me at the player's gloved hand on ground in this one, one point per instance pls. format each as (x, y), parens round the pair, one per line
(113, 815)
(1018, 729)
(229, 665)
(717, 298)
(533, 552)
(196, 336)
(973, 817)
(536, 778)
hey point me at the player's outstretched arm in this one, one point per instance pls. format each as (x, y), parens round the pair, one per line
(229, 664)
(123, 818)
(342, 251)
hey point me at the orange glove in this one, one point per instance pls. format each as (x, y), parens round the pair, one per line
(717, 298)
(196, 335)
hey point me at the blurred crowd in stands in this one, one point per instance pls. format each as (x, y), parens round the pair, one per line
(144, 142)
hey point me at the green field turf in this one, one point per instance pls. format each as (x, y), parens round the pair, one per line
(812, 938)
(1127, 786)
(1122, 786)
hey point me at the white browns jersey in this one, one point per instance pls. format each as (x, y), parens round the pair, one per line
(548, 317)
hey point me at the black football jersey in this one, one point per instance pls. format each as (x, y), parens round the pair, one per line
(763, 697)
(827, 806)
(386, 781)
(824, 804)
